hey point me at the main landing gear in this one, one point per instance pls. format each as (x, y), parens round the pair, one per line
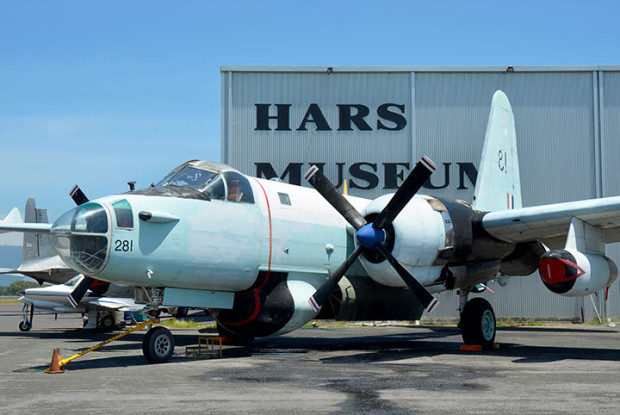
(28, 314)
(477, 321)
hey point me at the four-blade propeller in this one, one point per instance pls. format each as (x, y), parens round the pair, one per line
(372, 236)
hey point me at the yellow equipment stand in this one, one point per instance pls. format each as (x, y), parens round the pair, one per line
(118, 336)
(206, 350)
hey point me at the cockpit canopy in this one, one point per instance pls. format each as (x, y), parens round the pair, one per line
(216, 181)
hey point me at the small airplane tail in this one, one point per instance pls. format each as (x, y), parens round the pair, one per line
(35, 246)
(498, 186)
(13, 217)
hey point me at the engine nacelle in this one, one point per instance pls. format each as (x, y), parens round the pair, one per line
(417, 236)
(275, 305)
(572, 273)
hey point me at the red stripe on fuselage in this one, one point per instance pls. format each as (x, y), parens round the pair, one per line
(257, 304)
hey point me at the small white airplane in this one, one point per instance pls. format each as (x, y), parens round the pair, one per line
(99, 302)
(39, 260)
(265, 257)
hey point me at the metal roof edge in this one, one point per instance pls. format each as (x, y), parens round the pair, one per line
(345, 69)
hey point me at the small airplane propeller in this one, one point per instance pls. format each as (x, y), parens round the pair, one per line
(372, 236)
(78, 195)
(78, 292)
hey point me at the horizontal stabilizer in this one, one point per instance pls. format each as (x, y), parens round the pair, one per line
(13, 217)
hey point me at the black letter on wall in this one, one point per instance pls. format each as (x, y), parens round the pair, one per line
(314, 115)
(467, 169)
(384, 112)
(293, 171)
(356, 171)
(391, 174)
(346, 116)
(263, 117)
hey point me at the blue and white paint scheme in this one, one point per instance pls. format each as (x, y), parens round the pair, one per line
(264, 256)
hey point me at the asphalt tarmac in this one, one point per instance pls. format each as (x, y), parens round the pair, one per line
(378, 370)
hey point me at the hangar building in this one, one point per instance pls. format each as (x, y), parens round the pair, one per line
(370, 125)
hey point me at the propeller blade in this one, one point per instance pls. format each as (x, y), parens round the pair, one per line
(78, 195)
(428, 301)
(420, 173)
(320, 296)
(78, 292)
(333, 196)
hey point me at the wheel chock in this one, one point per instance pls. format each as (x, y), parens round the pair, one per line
(470, 348)
(476, 347)
(55, 366)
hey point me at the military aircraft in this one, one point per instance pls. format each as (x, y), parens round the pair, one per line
(100, 303)
(39, 260)
(266, 257)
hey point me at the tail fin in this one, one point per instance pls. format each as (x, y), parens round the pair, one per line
(35, 246)
(498, 186)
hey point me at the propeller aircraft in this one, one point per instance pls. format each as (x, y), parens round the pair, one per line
(265, 257)
(99, 303)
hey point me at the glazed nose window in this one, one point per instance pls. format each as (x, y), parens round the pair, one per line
(80, 237)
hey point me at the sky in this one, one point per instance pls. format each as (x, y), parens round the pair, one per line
(98, 93)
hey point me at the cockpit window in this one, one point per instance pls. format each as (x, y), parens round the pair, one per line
(215, 189)
(213, 181)
(123, 213)
(238, 188)
(189, 177)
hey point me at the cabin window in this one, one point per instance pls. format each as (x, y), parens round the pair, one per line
(284, 199)
(123, 213)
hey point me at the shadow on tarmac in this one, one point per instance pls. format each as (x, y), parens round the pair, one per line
(378, 348)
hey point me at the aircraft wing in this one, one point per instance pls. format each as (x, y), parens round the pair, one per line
(114, 303)
(549, 223)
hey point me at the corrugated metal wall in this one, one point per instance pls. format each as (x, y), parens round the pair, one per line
(280, 148)
(568, 130)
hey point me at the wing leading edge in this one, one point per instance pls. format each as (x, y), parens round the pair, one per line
(550, 223)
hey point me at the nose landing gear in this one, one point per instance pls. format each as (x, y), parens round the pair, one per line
(158, 345)
(158, 342)
(28, 314)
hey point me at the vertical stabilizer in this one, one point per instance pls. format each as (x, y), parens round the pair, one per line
(30, 248)
(498, 186)
(35, 245)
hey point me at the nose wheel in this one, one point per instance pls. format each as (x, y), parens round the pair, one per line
(28, 314)
(158, 345)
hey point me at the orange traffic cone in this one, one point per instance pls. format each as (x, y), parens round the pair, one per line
(55, 367)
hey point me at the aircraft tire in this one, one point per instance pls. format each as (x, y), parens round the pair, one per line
(478, 323)
(106, 323)
(158, 345)
(24, 326)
